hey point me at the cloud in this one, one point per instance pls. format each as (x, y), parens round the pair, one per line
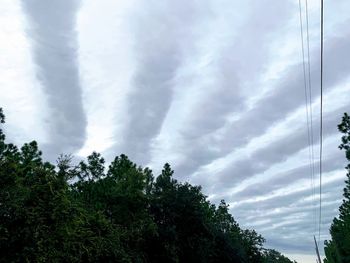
(222, 123)
(285, 178)
(292, 218)
(278, 151)
(160, 32)
(283, 99)
(51, 29)
(223, 85)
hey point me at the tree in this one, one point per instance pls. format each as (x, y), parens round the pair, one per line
(338, 249)
(273, 256)
(190, 229)
(40, 221)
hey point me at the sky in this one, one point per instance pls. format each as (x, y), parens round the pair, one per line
(214, 87)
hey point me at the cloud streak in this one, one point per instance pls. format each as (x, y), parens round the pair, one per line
(159, 42)
(51, 29)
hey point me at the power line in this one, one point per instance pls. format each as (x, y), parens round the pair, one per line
(310, 110)
(321, 123)
(308, 107)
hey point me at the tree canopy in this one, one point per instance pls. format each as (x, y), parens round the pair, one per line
(87, 213)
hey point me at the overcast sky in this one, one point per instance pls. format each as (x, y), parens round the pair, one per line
(214, 87)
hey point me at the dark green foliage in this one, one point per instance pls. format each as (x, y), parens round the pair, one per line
(85, 213)
(273, 256)
(2, 116)
(338, 249)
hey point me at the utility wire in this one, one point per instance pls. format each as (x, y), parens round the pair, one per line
(307, 107)
(321, 123)
(310, 111)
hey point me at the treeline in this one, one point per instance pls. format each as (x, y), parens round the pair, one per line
(86, 213)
